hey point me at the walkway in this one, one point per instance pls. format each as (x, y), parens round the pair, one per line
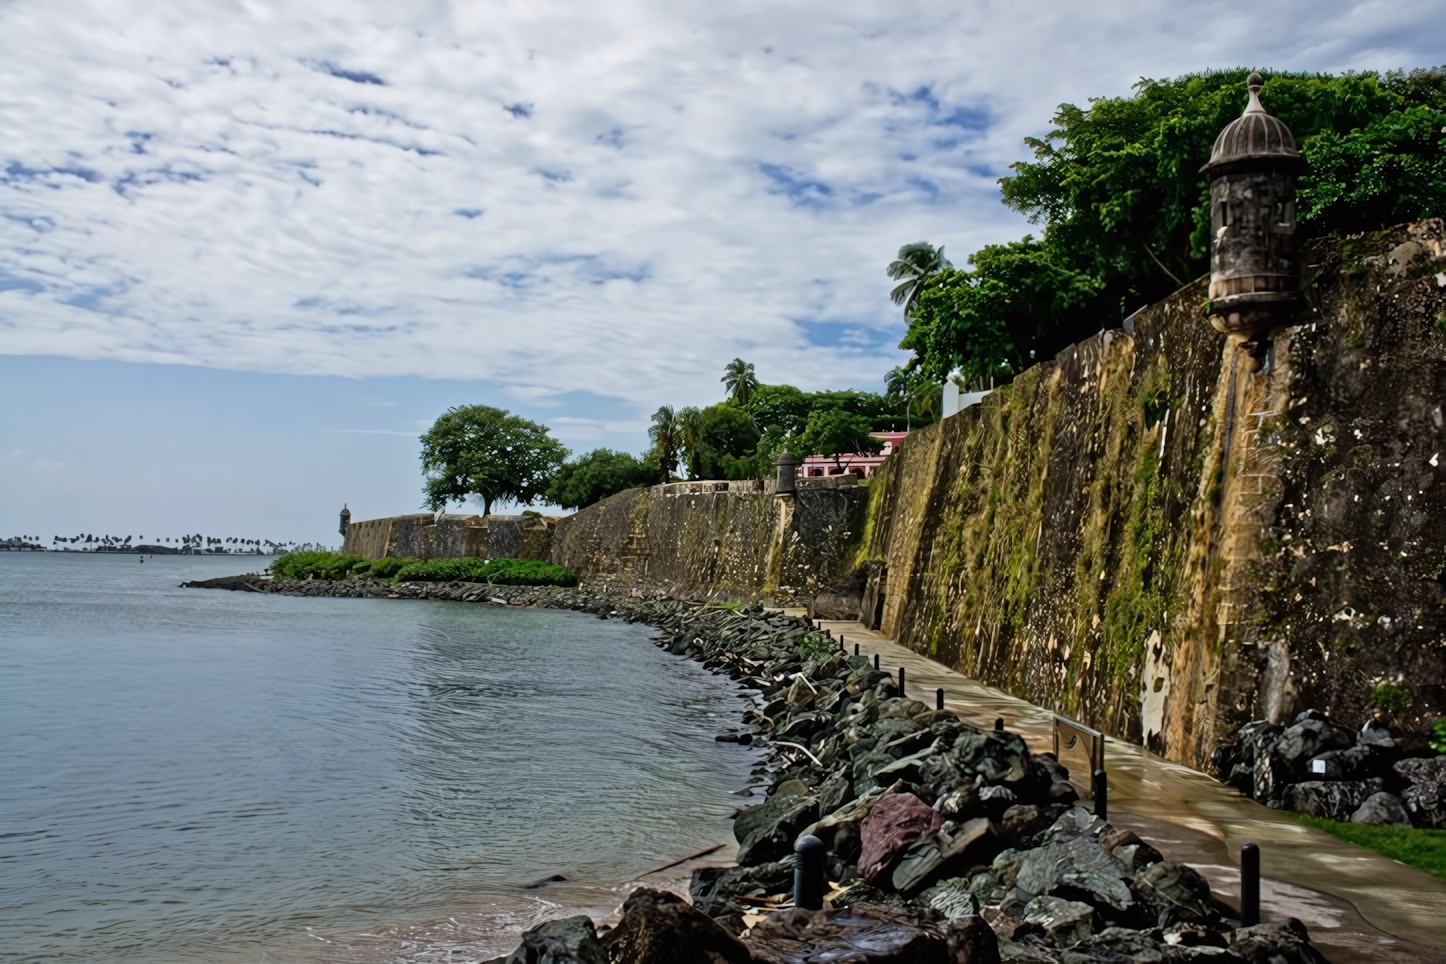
(1358, 905)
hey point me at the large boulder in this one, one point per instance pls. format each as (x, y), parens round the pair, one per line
(932, 855)
(572, 940)
(895, 822)
(1077, 869)
(1065, 921)
(1382, 809)
(1276, 943)
(1174, 893)
(714, 889)
(661, 928)
(1425, 793)
(1309, 736)
(852, 935)
(1330, 799)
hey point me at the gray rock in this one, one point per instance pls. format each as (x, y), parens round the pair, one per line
(1425, 796)
(660, 928)
(1174, 893)
(971, 941)
(1080, 869)
(871, 934)
(1376, 733)
(952, 898)
(1330, 799)
(1275, 943)
(572, 940)
(713, 889)
(1065, 921)
(929, 857)
(1382, 809)
(775, 826)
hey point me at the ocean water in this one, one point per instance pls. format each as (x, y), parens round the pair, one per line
(200, 775)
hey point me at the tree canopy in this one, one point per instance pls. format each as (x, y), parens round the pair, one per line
(596, 475)
(740, 380)
(486, 453)
(1124, 210)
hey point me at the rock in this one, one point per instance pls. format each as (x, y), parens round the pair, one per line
(929, 857)
(773, 826)
(1076, 869)
(661, 928)
(1020, 822)
(1376, 733)
(852, 935)
(1382, 809)
(894, 823)
(713, 889)
(1310, 736)
(835, 792)
(952, 899)
(1275, 943)
(971, 941)
(1174, 893)
(572, 940)
(1065, 921)
(1125, 944)
(1330, 799)
(1425, 796)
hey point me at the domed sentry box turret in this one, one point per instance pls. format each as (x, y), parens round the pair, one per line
(1254, 276)
(345, 519)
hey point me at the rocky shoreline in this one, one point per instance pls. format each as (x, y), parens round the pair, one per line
(942, 842)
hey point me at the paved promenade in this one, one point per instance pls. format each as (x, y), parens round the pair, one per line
(1359, 905)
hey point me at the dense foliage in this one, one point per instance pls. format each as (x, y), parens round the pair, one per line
(499, 572)
(488, 454)
(314, 565)
(386, 568)
(1117, 189)
(596, 475)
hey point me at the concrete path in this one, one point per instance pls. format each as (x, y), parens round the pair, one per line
(1359, 905)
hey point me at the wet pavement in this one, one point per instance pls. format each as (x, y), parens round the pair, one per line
(1359, 906)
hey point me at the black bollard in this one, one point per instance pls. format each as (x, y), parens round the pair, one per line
(808, 873)
(999, 724)
(901, 682)
(856, 649)
(841, 645)
(939, 699)
(1101, 787)
(1249, 885)
(876, 661)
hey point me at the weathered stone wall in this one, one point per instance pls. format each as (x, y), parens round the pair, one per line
(1150, 536)
(724, 540)
(430, 537)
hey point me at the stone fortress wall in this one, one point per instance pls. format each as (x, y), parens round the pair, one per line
(1148, 533)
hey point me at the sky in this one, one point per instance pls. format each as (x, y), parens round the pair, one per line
(249, 250)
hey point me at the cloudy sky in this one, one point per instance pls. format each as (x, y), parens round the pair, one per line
(248, 250)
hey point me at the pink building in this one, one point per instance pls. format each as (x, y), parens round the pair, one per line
(818, 466)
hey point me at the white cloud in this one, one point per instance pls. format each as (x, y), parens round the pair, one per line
(612, 197)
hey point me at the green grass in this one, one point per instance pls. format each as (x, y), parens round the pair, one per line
(318, 565)
(1422, 849)
(498, 572)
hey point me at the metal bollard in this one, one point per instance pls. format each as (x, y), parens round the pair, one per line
(939, 699)
(841, 646)
(876, 661)
(999, 724)
(901, 682)
(808, 882)
(1249, 885)
(1101, 787)
(856, 649)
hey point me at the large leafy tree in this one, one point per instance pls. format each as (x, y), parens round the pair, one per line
(913, 268)
(596, 475)
(1117, 189)
(722, 439)
(740, 381)
(486, 453)
(833, 431)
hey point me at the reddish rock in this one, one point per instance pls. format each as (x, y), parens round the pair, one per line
(855, 935)
(893, 824)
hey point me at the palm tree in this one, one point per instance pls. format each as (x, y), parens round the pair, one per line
(916, 264)
(690, 435)
(666, 435)
(740, 381)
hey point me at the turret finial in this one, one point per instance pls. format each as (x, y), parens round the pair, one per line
(1255, 82)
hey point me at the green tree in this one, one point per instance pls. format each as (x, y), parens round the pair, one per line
(666, 434)
(833, 431)
(596, 475)
(739, 379)
(913, 268)
(487, 453)
(1117, 189)
(726, 436)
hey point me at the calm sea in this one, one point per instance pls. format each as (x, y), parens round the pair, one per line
(198, 775)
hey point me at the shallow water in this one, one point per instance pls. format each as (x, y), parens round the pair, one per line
(206, 775)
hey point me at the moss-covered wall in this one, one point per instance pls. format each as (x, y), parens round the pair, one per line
(724, 540)
(430, 537)
(1150, 536)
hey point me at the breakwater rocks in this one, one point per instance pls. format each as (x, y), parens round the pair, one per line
(942, 842)
(1318, 767)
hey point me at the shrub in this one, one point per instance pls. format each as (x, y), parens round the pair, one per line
(1395, 700)
(499, 572)
(1438, 734)
(317, 565)
(389, 567)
